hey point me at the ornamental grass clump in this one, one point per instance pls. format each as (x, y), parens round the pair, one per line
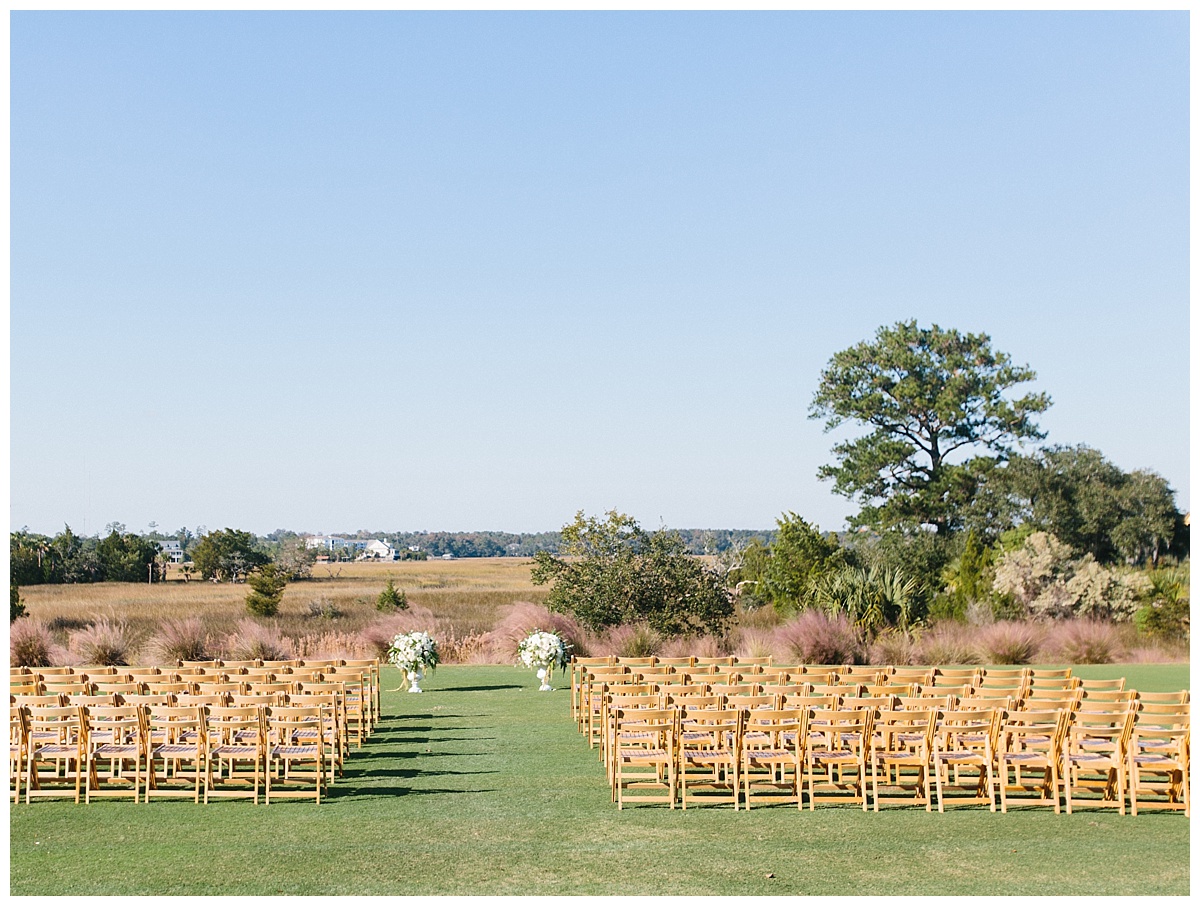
(523, 618)
(892, 646)
(31, 644)
(180, 639)
(1084, 642)
(947, 643)
(252, 640)
(1008, 642)
(815, 638)
(104, 643)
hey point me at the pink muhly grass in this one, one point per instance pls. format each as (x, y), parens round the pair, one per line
(815, 638)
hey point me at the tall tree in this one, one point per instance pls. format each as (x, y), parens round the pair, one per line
(618, 573)
(227, 555)
(926, 394)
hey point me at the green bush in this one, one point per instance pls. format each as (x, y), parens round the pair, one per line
(391, 598)
(267, 584)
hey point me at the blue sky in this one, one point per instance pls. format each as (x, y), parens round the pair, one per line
(479, 270)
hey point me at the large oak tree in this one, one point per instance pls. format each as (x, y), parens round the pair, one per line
(933, 399)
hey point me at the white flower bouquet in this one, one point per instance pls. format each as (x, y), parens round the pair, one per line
(413, 653)
(543, 651)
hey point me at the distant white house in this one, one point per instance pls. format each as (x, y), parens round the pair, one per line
(380, 549)
(172, 550)
(447, 556)
(332, 543)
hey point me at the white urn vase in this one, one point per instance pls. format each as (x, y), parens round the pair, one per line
(414, 680)
(543, 674)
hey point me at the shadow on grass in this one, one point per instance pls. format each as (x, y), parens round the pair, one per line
(479, 688)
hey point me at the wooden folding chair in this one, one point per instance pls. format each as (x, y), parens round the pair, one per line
(175, 744)
(113, 743)
(373, 682)
(296, 751)
(902, 749)
(1094, 756)
(956, 676)
(1159, 758)
(1030, 741)
(837, 757)
(965, 740)
(709, 752)
(645, 770)
(774, 742)
(54, 757)
(18, 740)
(234, 754)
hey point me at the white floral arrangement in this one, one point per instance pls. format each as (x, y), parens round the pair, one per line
(543, 651)
(413, 652)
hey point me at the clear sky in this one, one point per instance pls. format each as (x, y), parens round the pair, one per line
(404, 271)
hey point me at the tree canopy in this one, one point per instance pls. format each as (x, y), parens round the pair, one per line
(614, 572)
(926, 394)
(227, 555)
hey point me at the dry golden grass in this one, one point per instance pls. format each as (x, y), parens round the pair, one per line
(466, 597)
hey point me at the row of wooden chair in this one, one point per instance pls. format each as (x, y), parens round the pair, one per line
(146, 751)
(1014, 681)
(728, 755)
(360, 679)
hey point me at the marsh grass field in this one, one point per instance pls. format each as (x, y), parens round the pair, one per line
(466, 597)
(483, 786)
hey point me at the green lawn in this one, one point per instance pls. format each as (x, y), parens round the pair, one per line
(482, 786)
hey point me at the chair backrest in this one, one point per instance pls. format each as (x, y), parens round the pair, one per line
(93, 670)
(810, 702)
(202, 700)
(637, 661)
(1044, 673)
(1182, 697)
(122, 688)
(66, 722)
(845, 690)
(677, 661)
(844, 730)
(921, 676)
(956, 676)
(281, 663)
(1106, 685)
(985, 702)
(252, 662)
(120, 723)
(923, 702)
(878, 702)
(284, 721)
(71, 687)
(694, 702)
(210, 663)
(224, 723)
(1171, 714)
(54, 700)
(175, 722)
(738, 689)
(1033, 730)
(902, 730)
(782, 725)
(968, 730)
(52, 671)
(892, 689)
(721, 727)
(712, 661)
(1038, 695)
(100, 698)
(167, 688)
(681, 690)
(138, 672)
(260, 699)
(1052, 683)
(764, 661)
(749, 702)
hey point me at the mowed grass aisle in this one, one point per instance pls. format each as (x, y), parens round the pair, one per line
(482, 786)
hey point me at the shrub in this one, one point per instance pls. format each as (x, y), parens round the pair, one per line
(1085, 642)
(266, 590)
(892, 647)
(104, 643)
(256, 640)
(1008, 642)
(322, 607)
(181, 639)
(815, 638)
(391, 598)
(31, 644)
(946, 644)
